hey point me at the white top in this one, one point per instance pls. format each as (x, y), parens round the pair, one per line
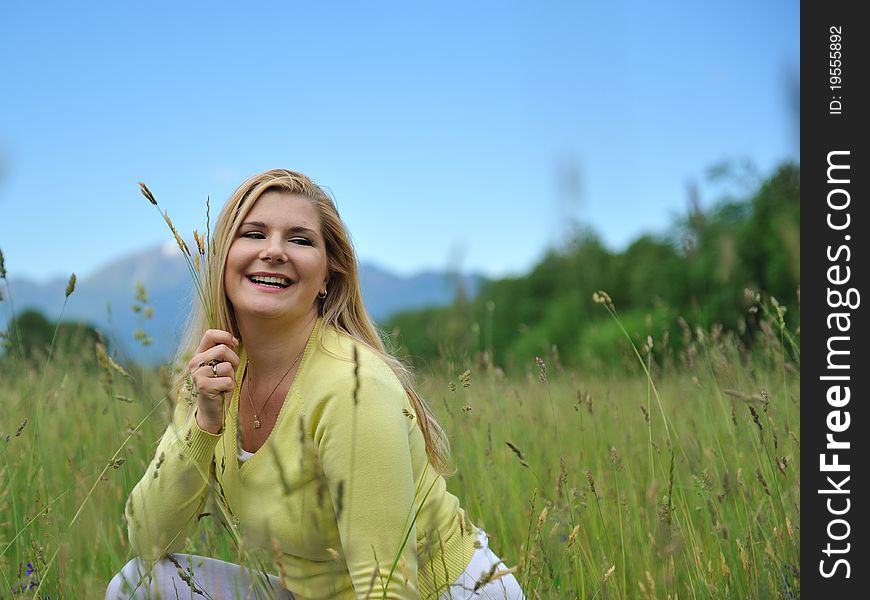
(244, 454)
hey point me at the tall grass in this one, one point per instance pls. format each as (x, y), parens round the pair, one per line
(645, 486)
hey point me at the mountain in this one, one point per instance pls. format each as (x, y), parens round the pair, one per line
(105, 298)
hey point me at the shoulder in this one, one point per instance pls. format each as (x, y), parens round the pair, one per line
(339, 380)
(340, 363)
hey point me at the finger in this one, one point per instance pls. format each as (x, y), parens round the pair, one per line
(213, 337)
(218, 385)
(204, 376)
(221, 353)
(222, 369)
(213, 387)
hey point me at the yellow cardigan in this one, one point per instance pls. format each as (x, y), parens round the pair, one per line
(341, 484)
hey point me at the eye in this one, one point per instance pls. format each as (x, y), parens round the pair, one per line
(253, 235)
(301, 241)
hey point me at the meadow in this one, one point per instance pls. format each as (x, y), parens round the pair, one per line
(678, 478)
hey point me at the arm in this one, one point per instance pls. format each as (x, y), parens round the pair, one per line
(162, 506)
(366, 457)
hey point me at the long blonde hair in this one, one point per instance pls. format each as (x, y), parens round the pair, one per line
(342, 308)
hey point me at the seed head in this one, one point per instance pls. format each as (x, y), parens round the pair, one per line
(591, 481)
(760, 477)
(178, 239)
(755, 418)
(200, 244)
(356, 381)
(282, 571)
(2, 266)
(615, 460)
(519, 454)
(573, 537)
(105, 369)
(543, 369)
(765, 399)
(147, 193)
(141, 294)
(71, 285)
(561, 478)
(209, 245)
(602, 297)
(494, 574)
(142, 337)
(542, 518)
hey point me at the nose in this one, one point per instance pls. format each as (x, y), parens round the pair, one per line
(273, 249)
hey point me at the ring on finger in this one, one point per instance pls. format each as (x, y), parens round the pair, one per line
(213, 364)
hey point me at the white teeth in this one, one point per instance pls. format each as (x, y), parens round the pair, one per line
(273, 280)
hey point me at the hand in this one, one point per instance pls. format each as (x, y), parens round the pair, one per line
(213, 370)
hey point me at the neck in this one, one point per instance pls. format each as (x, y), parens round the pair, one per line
(270, 349)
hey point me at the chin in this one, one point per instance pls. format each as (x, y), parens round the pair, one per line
(273, 312)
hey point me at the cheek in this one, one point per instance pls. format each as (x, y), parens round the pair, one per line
(323, 267)
(231, 269)
(235, 259)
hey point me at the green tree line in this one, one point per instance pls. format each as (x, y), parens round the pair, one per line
(663, 286)
(31, 338)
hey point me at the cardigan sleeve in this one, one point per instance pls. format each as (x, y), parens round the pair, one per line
(161, 508)
(365, 455)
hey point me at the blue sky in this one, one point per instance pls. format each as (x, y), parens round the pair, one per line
(443, 130)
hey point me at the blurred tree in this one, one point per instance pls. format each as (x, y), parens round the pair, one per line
(30, 335)
(750, 239)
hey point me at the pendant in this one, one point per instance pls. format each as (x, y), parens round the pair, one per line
(256, 423)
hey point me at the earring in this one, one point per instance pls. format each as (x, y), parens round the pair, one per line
(322, 294)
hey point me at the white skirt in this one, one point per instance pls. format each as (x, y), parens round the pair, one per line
(220, 579)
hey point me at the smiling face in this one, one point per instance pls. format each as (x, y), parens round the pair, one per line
(277, 262)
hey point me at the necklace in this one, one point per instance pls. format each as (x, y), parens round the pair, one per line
(257, 423)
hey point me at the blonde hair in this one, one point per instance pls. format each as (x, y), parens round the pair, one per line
(342, 308)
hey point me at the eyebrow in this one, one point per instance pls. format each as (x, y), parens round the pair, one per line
(294, 229)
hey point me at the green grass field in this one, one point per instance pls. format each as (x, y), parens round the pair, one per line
(681, 484)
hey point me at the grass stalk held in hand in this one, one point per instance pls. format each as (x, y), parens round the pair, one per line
(197, 267)
(199, 275)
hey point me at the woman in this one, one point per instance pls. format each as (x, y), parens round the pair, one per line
(323, 453)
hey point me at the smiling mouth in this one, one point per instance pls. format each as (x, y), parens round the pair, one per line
(275, 282)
